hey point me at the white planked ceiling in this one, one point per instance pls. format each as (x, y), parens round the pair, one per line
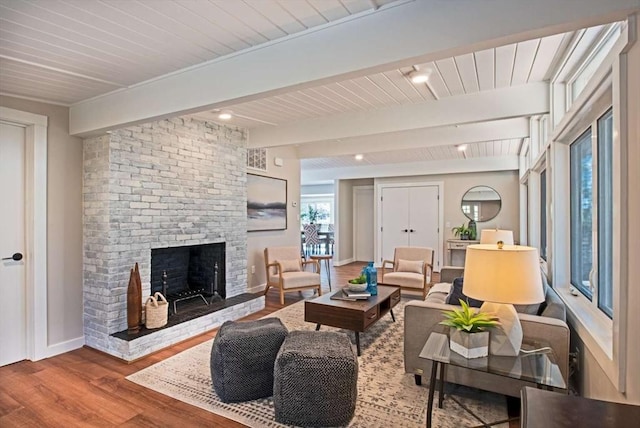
(501, 67)
(65, 51)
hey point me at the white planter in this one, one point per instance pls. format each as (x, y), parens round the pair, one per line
(469, 345)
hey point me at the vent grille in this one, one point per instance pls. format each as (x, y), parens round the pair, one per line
(257, 159)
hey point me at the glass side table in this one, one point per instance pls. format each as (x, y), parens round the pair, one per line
(537, 367)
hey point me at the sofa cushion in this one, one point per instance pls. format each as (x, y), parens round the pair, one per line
(414, 266)
(456, 294)
(553, 306)
(438, 292)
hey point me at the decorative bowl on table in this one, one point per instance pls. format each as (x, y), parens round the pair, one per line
(357, 287)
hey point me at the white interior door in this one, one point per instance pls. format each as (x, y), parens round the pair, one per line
(13, 344)
(394, 220)
(363, 226)
(424, 219)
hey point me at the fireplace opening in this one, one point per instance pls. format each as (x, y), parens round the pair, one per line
(189, 272)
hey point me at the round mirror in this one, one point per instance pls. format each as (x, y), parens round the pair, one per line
(481, 203)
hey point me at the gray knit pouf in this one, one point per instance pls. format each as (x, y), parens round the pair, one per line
(316, 379)
(242, 359)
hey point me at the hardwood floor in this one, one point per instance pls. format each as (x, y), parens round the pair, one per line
(88, 388)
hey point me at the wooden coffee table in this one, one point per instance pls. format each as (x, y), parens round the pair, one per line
(356, 316)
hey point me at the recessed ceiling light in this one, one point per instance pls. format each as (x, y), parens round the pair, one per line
(420, 76)
(225, 115)
(462, 147)
(359, 157)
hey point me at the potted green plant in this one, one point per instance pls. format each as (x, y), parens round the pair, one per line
(311, 215)
(461, 231)
(468, 336)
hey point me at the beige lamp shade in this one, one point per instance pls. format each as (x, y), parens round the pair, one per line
(509, 275)
(492, 236)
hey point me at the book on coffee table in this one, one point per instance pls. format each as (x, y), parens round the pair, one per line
(356, 294)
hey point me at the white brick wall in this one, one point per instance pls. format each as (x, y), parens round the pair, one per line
(168, 183)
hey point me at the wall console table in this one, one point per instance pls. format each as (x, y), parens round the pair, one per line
(457, 251)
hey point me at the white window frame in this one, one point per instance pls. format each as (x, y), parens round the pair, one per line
(605, 339)
(594, 54)
(595, 236)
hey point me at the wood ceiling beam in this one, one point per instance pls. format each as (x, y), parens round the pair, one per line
(451, 166)
(396, 35)
(506, 129)
(514, 102)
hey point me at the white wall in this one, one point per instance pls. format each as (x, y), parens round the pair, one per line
(344, 252)
(258, 241)
(506, 183)
(64, 222)
(317, 189)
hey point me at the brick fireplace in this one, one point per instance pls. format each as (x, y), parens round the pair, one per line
(174, 183)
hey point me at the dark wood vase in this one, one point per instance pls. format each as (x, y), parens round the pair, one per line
(134, 302)
(136, 272)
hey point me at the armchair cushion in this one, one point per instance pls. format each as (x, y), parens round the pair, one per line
(414, 266)
(297, 279)
(290, 265)
(404, 279)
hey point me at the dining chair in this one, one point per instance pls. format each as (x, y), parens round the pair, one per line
(330, 238)
(311, 238)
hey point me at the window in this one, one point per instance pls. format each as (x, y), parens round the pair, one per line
(598, 54)
(605, 213)
(316, 209)
(543, 214)
(581, 214)
(592, 214)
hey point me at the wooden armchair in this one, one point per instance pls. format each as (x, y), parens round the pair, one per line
(285, 271)
(411, 269)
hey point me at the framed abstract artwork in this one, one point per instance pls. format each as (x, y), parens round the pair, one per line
(266, 203)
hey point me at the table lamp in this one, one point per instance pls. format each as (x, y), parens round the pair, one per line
(492, 236)
(503, 276)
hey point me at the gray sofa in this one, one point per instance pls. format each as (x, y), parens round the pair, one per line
(421, 317)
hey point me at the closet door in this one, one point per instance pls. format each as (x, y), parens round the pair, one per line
(423, 218)
(395, 220)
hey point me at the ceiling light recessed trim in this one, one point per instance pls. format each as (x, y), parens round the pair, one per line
(420, 76)
(225, 115)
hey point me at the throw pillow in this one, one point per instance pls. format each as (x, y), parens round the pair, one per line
(290, 265)
(414, 266)
(456, 294)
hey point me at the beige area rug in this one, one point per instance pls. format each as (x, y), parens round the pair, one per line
(387, 396)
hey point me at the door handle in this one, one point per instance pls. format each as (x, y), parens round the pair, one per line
(411, 230)
(16, 257)
(404, 230)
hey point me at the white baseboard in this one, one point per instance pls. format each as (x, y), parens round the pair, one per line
(62, 347)
(257, 289)
(343, 262)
